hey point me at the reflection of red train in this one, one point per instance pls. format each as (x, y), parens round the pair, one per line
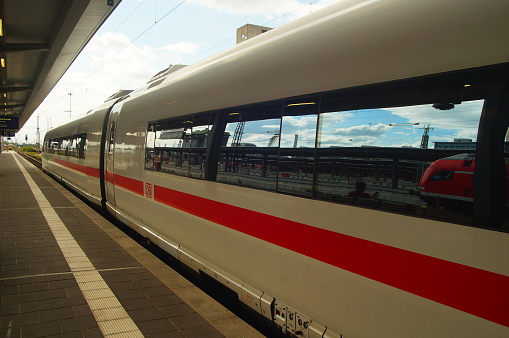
(451, 178)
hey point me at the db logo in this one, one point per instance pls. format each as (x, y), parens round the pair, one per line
(148, 190)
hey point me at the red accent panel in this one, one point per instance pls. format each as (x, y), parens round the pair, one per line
(128, 184)
(89, 171)
(475, 291)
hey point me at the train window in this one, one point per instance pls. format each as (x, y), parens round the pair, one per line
(389, 148)
(172, 146)
(149, 146)
(178, 146)
(296, 167)
(442, 176)
(198, 140)
(79, 146)
(250, 144)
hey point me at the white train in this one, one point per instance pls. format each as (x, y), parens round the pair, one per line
(187, 161)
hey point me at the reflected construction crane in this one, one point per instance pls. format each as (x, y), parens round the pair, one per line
(425, 135)
(274, 137)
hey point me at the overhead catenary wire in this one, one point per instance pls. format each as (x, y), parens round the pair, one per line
(131, 42)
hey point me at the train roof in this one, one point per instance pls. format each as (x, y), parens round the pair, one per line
(350, 43)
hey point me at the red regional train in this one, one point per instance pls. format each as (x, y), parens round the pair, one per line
(162, 160)
(451, 178)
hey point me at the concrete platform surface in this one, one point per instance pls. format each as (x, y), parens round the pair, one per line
(67, 271)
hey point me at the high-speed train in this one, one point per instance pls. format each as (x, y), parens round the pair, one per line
(183, 162)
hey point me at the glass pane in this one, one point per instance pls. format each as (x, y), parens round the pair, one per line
(376, 147)
(199, 137)
(149, 146)
(172, 144)
(298, 136)
(249, 153)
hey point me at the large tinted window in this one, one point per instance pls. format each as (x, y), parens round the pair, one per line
(178, 145)
(407, 147)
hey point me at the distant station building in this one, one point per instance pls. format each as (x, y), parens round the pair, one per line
(465, 144)
(249, 31)
(458, 144)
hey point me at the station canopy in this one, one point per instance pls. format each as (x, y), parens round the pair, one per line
(39, 40)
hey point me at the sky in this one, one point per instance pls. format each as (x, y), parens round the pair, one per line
(143, 37)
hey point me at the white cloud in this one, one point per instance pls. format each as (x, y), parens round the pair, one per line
(250, 6)
(364, 130)
(180, 47)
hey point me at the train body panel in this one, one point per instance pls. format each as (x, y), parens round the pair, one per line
(81, 170)
(353, 271)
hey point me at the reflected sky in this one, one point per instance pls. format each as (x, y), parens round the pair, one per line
(369, 127)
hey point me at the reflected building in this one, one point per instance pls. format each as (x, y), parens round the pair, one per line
(249, 31)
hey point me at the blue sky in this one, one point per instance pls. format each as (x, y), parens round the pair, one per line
(143, 37)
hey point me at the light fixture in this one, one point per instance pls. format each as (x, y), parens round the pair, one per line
(1, 27)
(300, 104)
(234, 114)
(467, 85)
(2, 61)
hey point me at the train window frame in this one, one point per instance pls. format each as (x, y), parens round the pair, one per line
(191, 151)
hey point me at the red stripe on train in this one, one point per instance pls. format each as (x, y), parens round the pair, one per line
(474, 291)
(129, 184)
(478, 292)
(94, 172)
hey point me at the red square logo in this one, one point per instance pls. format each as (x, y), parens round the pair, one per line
(148, 190)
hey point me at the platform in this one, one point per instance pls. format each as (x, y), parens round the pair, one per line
(65, 270)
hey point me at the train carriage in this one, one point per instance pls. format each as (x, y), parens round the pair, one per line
(182, 163)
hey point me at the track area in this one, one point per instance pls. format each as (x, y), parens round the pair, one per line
(66, 270)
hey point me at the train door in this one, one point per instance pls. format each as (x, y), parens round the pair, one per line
(109, 158)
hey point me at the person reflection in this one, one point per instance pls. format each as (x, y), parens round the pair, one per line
(360, 187)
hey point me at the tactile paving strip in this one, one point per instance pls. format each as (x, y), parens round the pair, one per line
(111, 317)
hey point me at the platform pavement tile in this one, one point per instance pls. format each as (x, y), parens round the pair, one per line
(56, 315)
(19, 298)
(36, 306)
(188, 321)
(11, 309)
(78, 324)
(13, 332)
(157, 291)
(34, 287)
(137, 303)
(202, 331)
(76, 334)
(20, 319)
(62, 284)
(140, 274)
(92, 333)
(156, 326)
(146, 314)
(176, 310)
(127, 294)
(74, 291)
(69, 301)
(9, 274)
(9, 290)
(51, 294)
(41, 330)
(16, 281)
(164, 300)
(120, 285)
(82, 310)
(172, 334)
